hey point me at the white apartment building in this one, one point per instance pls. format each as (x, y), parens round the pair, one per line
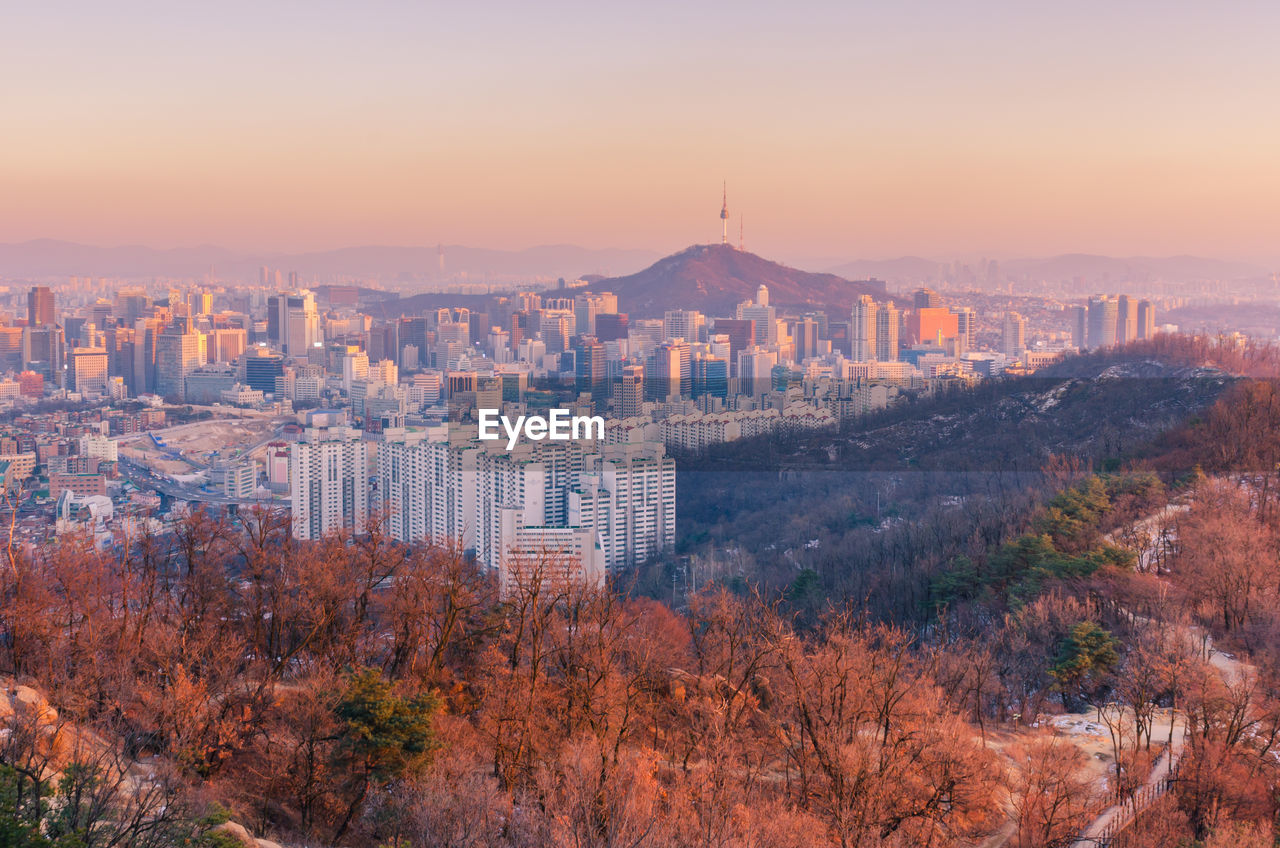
(100, 448)
(329, 482)
(473, 492)
(559, 558)
(628, 497)
(428, 489)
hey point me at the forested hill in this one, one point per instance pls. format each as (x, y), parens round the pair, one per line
(875, 509)
(1101, 409)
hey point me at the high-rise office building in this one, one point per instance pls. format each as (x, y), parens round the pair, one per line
(740, 332)
(630, 399)
(300, 324)
(755, 370)
(275, 315)
(130, 305)
(669, 371)
(932, 325)
(1079, 316)
(40, 307)
(227, 344)
(763, 316)
(710, 376)
(355, 366)
(687, 324)
(1126, 319)
(926, 299)
(589, 370)
(1146, 319)
(805, 337)
(588, 306)
(11, 348)
(262, 368)
(177, 355)
(43, 349)
(611, 326)
(557, 328)
(1104, 313)
(87, 371)
(966, 325)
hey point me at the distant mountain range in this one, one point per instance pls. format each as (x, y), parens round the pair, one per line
(50, 258)
(1066, 267)
(902, 269)
(713, 278)
(1130, 268)
(713, 270)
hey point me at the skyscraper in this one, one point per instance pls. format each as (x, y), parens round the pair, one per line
(177, 355)
(87, 373)
(1104, 313)
(755, 370)
(261, 368)
(710, 376)
(966, 325)
(630, 400)
(670, 375)
(862, 329)
(1146, 319)
(926, 299)
(887, 320)
(741, 333)
(687, 324)
(1126, 320)
(1014, 337)
(1079, 316)
(40, 307)
(300, 323)
(587, 306)
(590, 374)
(43, 348)
(805, 336)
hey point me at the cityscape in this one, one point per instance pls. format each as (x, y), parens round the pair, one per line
(813, 425)
(178, 394)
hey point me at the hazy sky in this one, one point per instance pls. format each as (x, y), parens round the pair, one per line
(845, 129)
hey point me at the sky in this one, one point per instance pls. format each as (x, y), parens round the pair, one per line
(843, 129)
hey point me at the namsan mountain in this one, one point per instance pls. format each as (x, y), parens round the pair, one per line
(714, 278)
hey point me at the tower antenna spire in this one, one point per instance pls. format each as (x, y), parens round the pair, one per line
(742, 245)
(724, 215)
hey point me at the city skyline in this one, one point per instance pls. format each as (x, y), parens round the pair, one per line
(842, 132)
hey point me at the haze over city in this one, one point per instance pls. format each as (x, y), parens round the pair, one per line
(660, 425)
(844, 130)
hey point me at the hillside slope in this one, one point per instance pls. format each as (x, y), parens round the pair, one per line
(715, 278)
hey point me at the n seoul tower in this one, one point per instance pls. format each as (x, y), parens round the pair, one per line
(724, 216)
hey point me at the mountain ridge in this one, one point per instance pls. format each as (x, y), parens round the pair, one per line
(39, 258)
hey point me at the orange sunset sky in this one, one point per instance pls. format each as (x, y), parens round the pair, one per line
(844, 129)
